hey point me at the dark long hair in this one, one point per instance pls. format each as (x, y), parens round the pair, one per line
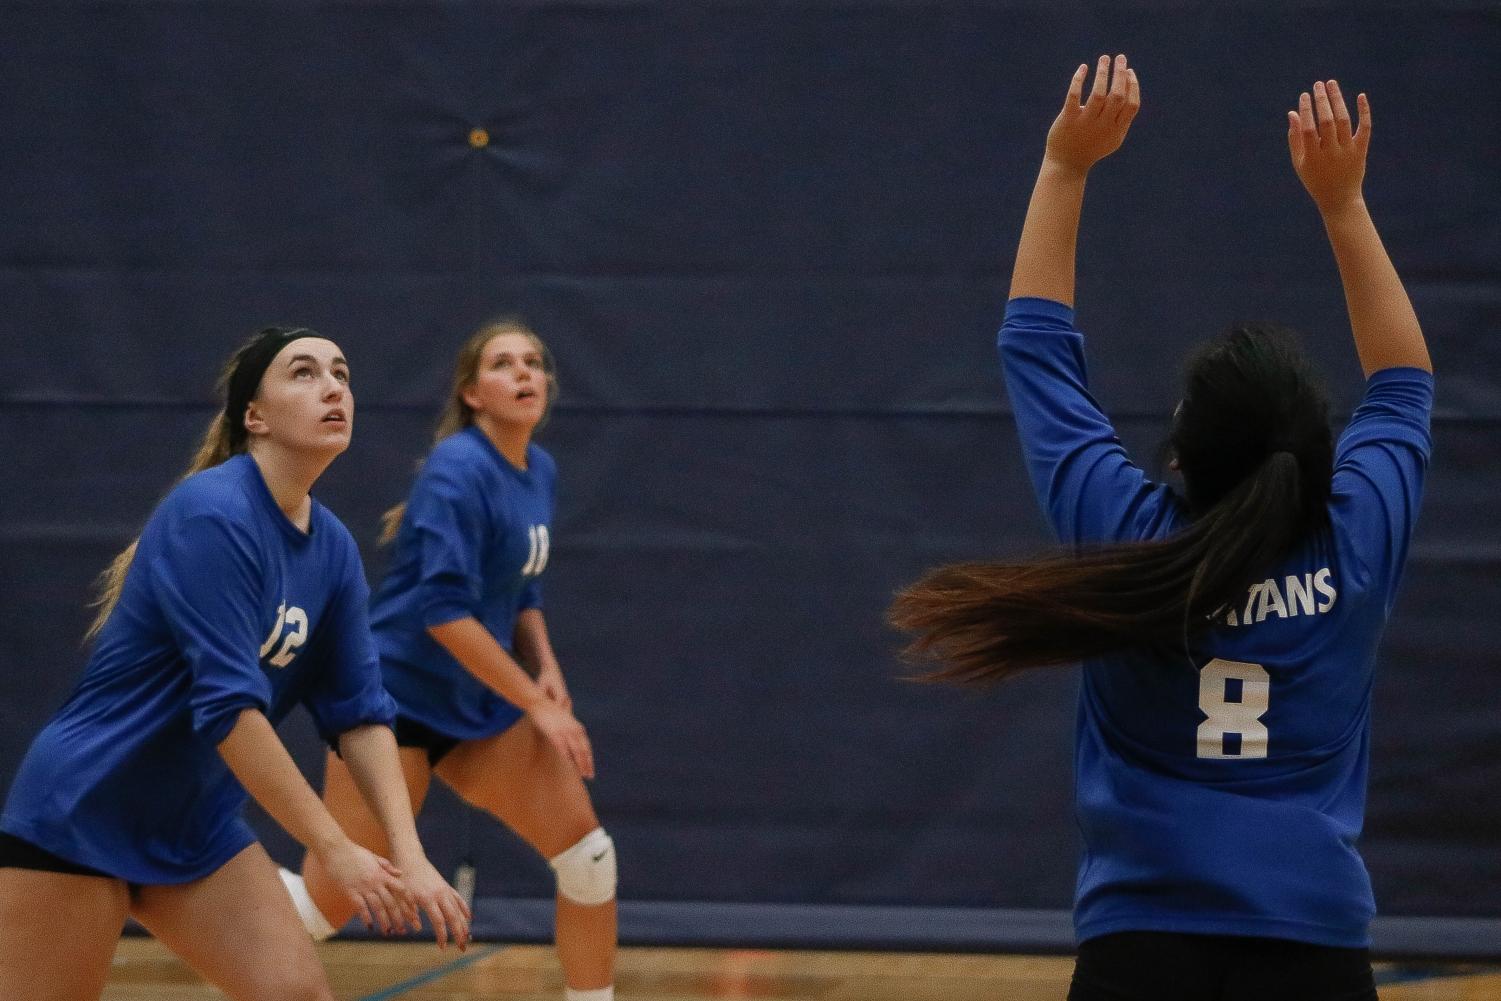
(1252, 439)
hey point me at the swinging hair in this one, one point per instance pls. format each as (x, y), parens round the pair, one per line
(1252, 438)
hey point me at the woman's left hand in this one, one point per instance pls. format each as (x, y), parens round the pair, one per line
(550, 680)
(445, 909)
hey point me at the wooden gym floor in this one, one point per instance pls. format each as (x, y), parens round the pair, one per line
(382, 971)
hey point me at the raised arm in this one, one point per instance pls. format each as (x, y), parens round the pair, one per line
(1330, 161)
(1081, 135)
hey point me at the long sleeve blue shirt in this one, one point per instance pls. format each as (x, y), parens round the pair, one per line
(473, 542)
(1224, 792)
(227, 606)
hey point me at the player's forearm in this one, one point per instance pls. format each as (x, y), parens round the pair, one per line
(260, 761)
(370, 754)
(1044, 265)
(1386, 329)
(482, 656)
(532, 644)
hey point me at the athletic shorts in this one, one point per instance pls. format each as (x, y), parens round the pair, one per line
(1168, 966)
(18, 853)
(410, 733)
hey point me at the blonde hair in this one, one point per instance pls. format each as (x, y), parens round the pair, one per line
(213, 450)
(457, 413)
(219, 442)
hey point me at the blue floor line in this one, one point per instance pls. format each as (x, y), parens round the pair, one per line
(437, 972)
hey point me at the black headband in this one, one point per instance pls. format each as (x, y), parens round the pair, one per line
(251, 363)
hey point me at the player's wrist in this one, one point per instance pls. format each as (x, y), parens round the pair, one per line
(1061, 168)
(327, 845)
(1346, 205)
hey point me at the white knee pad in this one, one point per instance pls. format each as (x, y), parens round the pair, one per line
(586, 872)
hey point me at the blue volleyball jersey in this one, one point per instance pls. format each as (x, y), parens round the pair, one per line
(227, 606)
(1222, 792)
(473, 542)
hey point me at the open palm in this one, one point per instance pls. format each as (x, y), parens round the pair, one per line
(1328, 156)
(1083, 134)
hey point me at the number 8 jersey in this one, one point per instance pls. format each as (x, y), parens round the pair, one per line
(473, 542)
(1222, 792)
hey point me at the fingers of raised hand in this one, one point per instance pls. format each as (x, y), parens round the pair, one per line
(1363, 134)
(1341, 113)
(1295, 137)
(1101, 86)
(1075, 90)
(1323, 112)
(1133, 98)
(1120, 86)
(1306, 123)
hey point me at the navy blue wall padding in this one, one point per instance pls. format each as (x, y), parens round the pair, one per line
(769, 244)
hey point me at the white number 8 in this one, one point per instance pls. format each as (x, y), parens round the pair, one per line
(1240, 717)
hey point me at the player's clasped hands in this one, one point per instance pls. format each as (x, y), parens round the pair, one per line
(1086, 133)
(1328, 156)
(374, 885)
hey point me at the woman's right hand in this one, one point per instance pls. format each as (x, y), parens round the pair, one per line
(1084, 134)
(373, 885)
(564, 732)
(1328, 157)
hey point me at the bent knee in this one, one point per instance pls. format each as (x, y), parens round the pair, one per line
(587, 871)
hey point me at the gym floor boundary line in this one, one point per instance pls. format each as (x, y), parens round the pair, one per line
(436, 973)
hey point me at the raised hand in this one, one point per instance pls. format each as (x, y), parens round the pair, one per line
(1084, 134)
(1328, 157)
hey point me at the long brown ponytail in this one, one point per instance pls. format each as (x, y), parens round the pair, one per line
(458, 414)
(1253, 439)
(224, 437)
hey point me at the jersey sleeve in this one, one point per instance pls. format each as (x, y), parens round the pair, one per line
(1380, 465)
(348, 692)
(205, 573)
(447, 516)
(1087, 486)
(531, 595)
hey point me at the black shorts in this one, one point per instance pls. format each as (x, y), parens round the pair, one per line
(18, 853)
(1167, 966)
(410, 733)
